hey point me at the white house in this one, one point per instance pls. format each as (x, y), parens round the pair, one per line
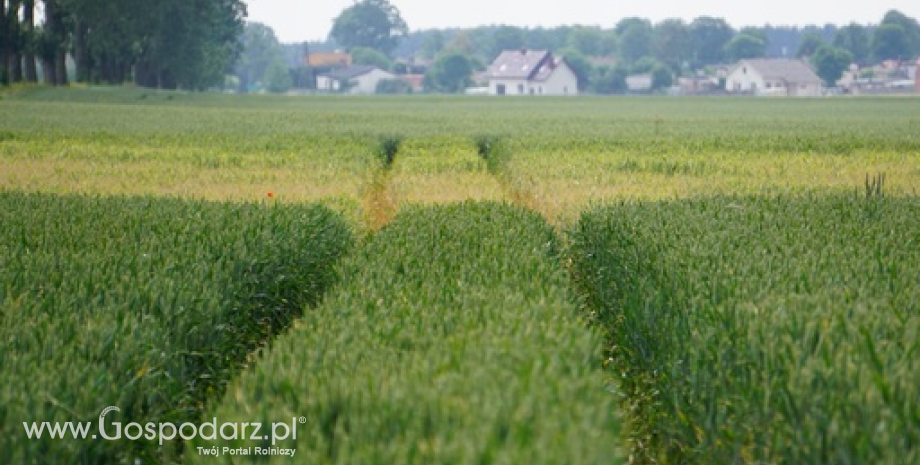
(774, 77)
(353, 80)
(531, 72)
(639, 83)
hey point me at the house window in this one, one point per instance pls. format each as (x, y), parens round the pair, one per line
(744, 70)
(533, 91)
(521, 89)
(500, 89)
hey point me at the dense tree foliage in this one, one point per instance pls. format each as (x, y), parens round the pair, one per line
(635, 39)
(662, 77)
(709, 37)
(580, 65)
(370, 57)
(374, 24)
(745, 46)
(260, 50)
(609, 79)
(809, 44)
(450, 72)
(830, 63)
(672, 43)
(854, 39)
(169, 44)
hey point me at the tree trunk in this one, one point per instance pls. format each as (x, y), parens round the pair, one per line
(48, 76)
(15, 66)
(49, 65)
(4, 46)
(58, 59)
(28, 22)
(80, 54)
(14, 38)
(60, 67)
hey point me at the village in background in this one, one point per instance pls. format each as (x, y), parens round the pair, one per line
(706, 56)
(372, 50)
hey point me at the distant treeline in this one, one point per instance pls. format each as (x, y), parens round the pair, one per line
(680, 44)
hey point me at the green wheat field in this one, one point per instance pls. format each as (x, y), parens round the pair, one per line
(450, 280)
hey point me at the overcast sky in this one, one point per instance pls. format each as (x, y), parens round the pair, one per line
(300, 20)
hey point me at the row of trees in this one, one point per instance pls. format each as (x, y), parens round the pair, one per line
(603, 57)
(188, 44)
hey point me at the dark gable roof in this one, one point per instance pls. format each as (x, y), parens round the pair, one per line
(546, 70)
(790, 71)
(520, 64)
(350, 72)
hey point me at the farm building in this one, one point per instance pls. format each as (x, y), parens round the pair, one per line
(353, 80)
(328, 60)
(774, 77)
(531, 72)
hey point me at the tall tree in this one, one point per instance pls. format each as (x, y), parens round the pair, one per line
(592, 41)
(855, 39)
(450, 72)
(371, 57)
(745, 46)
(709, 37)
(809, 44)
(910, 26)
(635, 39)
(673, 43)
(891, 42)
(28, 30)
(507, 38)
(168, 44)
(432, 44)
(16, 40)
(830, 63)
(52, 44)
(5, 46)
(260, 48)
(375, 24)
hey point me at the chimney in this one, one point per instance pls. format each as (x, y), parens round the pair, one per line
(523, 51)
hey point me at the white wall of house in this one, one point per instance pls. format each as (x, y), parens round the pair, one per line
(744, 79)
(508, 87)
(367, 82)
(805, 90)
(561, 82)
(327, 84)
